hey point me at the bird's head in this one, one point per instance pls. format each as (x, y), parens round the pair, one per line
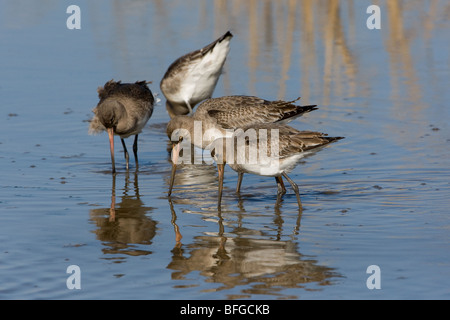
(177, 129)
(110, 112)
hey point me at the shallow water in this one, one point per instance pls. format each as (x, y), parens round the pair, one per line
(379, 197)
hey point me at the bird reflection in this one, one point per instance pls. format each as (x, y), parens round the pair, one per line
(125, 225)
(178, 235)
(238, 255)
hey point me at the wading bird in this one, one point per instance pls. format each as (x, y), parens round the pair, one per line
(123, 110)
(192, 78)
(217, 117)
(276, 149)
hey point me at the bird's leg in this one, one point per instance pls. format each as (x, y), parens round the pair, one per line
(135, 149)
(125, 151)
(295, 187)
(238, 186)
(281, 190)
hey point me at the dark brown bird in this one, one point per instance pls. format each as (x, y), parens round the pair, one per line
(123, 110)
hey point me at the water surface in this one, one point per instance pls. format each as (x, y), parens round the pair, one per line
(379, 197)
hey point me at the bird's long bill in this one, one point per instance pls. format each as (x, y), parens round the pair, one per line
(220, 170)
(111, 147)
(175, 154)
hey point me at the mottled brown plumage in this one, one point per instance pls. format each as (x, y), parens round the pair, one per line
(233, 112)
(137, 91)
(218, 115)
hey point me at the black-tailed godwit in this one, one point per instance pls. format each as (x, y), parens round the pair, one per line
(218, 117)
(268, 149)
(193, 77)
(123, 110)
